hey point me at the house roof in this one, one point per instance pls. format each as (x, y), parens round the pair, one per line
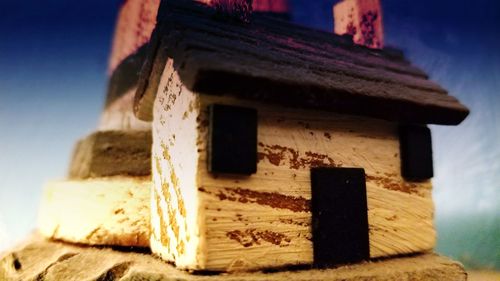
(276, 61)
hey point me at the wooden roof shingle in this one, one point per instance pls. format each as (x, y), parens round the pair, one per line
(278, 62)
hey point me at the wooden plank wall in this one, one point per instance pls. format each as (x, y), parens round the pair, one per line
(264, 220)
(246, 223)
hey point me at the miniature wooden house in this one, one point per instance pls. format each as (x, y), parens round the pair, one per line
(277, 145)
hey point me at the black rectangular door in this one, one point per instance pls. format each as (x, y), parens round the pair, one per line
(339, 216)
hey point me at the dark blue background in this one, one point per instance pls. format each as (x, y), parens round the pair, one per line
(53, 59)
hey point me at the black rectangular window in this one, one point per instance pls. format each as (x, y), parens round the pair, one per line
(232, 144)
(416, 152)
(339, 216)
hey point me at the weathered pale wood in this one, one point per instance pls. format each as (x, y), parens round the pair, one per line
(277, 62)
(38, 259)
(105, 211)
(400, 213)
(111, 153)
(177, 220)
(119, 115)
(242, 223)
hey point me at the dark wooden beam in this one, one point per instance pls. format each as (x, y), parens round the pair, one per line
(112, 153)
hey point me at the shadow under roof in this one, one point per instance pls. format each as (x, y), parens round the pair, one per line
(275, 61)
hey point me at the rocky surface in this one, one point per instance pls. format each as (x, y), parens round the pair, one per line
(39, 259)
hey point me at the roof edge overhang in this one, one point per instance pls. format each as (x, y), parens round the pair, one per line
(406, 96)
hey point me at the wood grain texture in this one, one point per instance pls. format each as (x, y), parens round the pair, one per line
(266, 217)
(277, 62)
(106, 211)
(111, 153)
(176, 218)
(119, 115)
(39, 259)
(261, 221)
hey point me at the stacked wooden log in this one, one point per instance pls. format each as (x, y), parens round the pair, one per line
(105, 200)
(218, 143)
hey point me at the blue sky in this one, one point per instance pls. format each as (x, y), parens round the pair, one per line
(53, 59)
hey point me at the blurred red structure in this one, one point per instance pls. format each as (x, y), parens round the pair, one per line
(273, 6)
(362, 19)
(137, 19)
(135, 23)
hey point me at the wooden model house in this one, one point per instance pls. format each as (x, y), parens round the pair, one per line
(277, 145)
(247, 143)
(239, 142)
